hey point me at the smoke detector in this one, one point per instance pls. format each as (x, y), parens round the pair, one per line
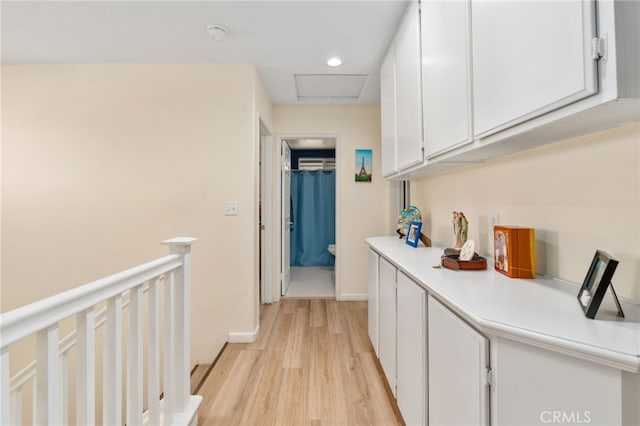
(217, 32)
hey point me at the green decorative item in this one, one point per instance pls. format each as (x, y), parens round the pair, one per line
(408, 215)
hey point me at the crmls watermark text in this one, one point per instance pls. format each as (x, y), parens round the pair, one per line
(565, 417)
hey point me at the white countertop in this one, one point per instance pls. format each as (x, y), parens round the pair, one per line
(543, 311)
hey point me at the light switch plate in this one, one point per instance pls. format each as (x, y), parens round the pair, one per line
(231, 208)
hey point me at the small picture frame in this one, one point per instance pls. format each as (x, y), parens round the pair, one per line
(596, 282)
(413, 233)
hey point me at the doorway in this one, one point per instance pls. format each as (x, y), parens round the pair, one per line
(308, 217)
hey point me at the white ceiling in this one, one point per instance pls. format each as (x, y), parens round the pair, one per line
(282, 38)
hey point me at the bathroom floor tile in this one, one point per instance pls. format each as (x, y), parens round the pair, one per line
(312, 281)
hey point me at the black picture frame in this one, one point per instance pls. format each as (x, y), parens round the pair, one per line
(413, 233)
(596, 282)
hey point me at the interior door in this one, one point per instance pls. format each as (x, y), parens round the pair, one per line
(287, 222)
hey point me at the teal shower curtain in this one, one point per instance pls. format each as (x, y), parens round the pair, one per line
(313, 205)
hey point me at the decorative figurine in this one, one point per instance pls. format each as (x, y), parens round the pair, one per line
(460, 229)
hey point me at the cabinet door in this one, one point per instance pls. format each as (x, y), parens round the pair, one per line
(412, 347)
(529, 380)
(446, 75)
(458, 391)
(388, 112)
(372, 310)
(529, 57)
(387, 325)
(408, 92)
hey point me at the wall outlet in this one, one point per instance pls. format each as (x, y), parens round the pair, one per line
(231, 208)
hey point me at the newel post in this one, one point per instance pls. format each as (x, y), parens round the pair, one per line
(182, 322)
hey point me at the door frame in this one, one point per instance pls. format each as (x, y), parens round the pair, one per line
(277, 220)
(266, 234)
(284, 271)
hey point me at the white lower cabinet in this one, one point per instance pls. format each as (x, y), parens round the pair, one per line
(560, 388)
(458, 363)
(411, 351)
(387, 324)
(374, 259)
(451, 359)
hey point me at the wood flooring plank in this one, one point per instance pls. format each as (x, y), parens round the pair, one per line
(297, 348)
(249, 394)
(357, 327)
(292, 405)
(334, 319)
(215, 380)
(264, 408)
(376, 389)
(321, 377)
(339, 349)
(314, 366)
(318, 314)
(229, 398)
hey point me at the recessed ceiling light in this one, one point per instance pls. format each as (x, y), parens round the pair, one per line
(334, 61)
(217, 32)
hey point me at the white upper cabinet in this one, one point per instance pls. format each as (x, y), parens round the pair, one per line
(388, 112)
(529, 57)
(408, 92)
(446, 75)
(478, 79)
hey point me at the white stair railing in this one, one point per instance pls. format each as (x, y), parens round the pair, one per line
(49, 372)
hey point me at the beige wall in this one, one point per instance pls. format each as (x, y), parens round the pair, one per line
(361, 205)
(102, 162)
(580, 195)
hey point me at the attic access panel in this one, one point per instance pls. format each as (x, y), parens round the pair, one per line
(329, 86)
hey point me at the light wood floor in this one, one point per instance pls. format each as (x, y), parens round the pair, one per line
(313, 364)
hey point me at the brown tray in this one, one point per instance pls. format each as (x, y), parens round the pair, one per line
(451, 261)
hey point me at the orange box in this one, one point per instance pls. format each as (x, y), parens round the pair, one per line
(515, 251)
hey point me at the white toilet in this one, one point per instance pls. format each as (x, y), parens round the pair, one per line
(332, 249)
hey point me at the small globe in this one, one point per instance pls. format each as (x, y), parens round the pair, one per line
(408, 215)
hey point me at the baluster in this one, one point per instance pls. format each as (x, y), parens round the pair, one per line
(182, 328)
(16, 398)
(153, 364)
(112, 374)
(47, 376)
(86, 372)
(34, 402)
(64, 381)
(5, 412)
(181, 342)
(134, 358)
(168, 351)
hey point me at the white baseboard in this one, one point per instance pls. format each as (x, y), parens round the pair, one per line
(353, 297)
(244, 337)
